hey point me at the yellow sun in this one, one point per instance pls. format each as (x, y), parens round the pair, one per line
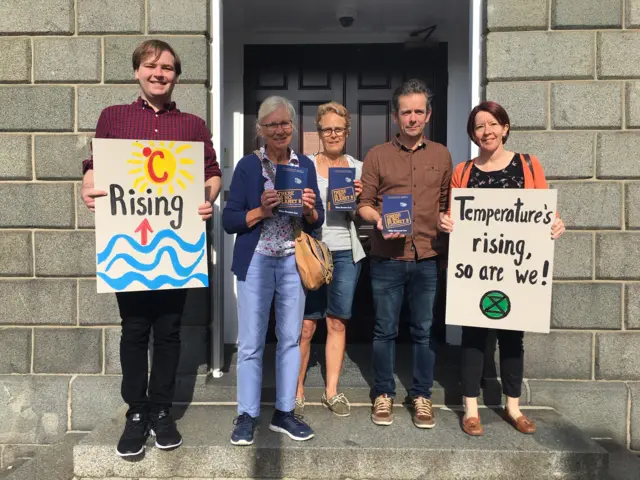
(160, 166)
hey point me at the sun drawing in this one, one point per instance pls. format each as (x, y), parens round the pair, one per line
(161, 166)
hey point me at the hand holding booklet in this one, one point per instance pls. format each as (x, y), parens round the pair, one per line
(397, 214)
(290, 183)
(342, 192)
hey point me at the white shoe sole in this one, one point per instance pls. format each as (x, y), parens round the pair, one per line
(424, 426)
(164, 447)
(242, 443)
(273, 428)
(124, 455)
(384, 423)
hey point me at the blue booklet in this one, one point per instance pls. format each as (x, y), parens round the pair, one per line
(397, 214)
(290, 182)
(342, 193)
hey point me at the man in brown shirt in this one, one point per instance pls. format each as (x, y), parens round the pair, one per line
(409, 164)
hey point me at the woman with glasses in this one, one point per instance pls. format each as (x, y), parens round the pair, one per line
(488, 126)
(265, 266)
(332, 301)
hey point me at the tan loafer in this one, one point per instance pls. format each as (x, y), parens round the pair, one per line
(523, 423)
(472, 426)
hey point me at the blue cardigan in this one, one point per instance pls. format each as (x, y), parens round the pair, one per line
(247, 186)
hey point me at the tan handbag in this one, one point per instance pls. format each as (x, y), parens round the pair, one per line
(313, 257)
(314, 261)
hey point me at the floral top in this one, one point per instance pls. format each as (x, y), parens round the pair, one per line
(511, 176)
(277, 232)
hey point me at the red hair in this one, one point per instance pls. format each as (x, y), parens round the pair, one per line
(495, 109)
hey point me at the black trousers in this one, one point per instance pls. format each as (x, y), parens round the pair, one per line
(160, 310)
(474, 346)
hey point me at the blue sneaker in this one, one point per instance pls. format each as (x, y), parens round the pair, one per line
(245, 425)
(287, 423)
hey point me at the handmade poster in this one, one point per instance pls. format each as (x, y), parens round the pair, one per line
(149, 235)
(500, 266)
(290, 182)
(397, 214)
(342, 192)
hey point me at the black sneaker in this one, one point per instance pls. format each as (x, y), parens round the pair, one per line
(135, 434)
(164, 429)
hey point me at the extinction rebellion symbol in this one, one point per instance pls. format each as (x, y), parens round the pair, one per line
(495, 305)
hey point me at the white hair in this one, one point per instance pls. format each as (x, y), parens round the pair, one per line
(270, 105)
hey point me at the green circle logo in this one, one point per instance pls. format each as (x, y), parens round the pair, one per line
(495, 305)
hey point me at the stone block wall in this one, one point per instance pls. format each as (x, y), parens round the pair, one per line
(567, 72)
(61, 62)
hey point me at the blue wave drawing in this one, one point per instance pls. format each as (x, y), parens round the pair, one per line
(162, 234)
(151, 283)
(146, 267)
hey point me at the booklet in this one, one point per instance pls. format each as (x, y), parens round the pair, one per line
(290, 182)
(342, 193)
(397, 214)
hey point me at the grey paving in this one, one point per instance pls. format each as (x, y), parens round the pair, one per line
(52, 463)
(354, 448)
(356, 379)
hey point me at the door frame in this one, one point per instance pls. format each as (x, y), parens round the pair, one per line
(235, 143)
(216, 250)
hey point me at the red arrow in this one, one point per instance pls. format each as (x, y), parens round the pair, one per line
(144, 228)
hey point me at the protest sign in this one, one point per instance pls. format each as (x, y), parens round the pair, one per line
(500, 265)
(149, 235)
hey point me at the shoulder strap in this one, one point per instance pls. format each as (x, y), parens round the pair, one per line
(467, 164)
(527, 159)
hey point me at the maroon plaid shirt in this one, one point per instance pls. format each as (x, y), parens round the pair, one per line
(138, 121)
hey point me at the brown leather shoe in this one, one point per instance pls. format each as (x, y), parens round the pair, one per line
(472, 426)
(423, 413)
(523, 423)
(382, 410)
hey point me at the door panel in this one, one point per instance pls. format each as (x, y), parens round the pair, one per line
(363, 78)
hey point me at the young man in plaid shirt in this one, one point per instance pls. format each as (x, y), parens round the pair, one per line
(153, 116)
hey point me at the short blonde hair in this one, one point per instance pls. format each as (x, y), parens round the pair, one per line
(338, 109)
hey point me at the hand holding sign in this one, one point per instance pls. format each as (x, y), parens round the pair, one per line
(205, 210)
(445, 223)
(557, 228)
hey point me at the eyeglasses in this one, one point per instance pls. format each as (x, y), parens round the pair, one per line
(273, 127)
(327, 132)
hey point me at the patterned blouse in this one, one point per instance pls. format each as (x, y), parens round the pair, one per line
(277, 232)
(511, 176)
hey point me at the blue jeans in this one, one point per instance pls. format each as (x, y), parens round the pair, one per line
(389, 279)
(266, 277)
(335, 299)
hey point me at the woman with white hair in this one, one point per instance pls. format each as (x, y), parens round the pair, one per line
(265, 266)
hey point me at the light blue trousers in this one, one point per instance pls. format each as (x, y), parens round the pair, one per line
(268, 277)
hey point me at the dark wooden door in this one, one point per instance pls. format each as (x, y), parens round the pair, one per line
(361, 77)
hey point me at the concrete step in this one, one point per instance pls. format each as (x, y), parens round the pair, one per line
(354, 448)
(356, 379)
